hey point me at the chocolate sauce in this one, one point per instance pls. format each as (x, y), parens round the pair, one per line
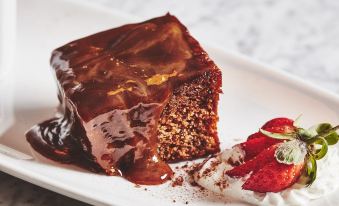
(112, 89)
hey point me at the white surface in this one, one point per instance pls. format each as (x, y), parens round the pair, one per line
(7, 35)
(7, 47)
(253, 93)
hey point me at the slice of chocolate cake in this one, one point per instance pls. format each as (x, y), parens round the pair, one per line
(131, 99)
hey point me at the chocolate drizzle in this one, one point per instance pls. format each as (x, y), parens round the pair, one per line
(113, 87)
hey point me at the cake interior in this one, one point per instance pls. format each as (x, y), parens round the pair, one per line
(187, 127)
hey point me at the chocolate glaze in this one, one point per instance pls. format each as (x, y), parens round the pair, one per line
(112, 88)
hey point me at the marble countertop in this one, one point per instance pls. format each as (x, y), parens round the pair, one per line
(300, 37)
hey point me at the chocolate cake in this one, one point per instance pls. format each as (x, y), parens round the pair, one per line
(131, 99)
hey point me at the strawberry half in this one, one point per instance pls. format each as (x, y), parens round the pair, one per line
(254, 164)
(257, 142)
(274, 177)
(277, 125)
(278, 122)
(256, 145)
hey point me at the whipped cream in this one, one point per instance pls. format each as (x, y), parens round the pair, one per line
(212, 176)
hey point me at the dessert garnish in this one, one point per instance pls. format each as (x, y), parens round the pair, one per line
(132, 99)
(283, 163)
(279, 156)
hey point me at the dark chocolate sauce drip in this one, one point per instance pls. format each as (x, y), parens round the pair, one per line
(113, 87)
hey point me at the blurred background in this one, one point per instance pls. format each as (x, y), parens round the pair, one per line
(300, 37)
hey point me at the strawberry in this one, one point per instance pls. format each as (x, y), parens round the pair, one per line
(278, 122)
(274, 177)
(257, 142)
(255, 135)
(280, 153)
(254, 146)
(277, 125)
(254, 164)
(267, 174)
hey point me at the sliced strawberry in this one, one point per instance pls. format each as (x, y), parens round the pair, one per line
(256, 145)
(257, 142)
(277, 125)
(255, 164)
(255, 135)
(278, 122)
(274, 177)
(281, 129)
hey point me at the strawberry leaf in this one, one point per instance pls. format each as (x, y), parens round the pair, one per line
(318, 153)
(291, 152)
(287, 136)
(332, 138)
(311, 169)
(325, 130)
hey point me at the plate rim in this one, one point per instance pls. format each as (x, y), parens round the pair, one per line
(253, 65)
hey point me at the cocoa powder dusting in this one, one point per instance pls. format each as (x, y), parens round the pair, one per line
(177, 181)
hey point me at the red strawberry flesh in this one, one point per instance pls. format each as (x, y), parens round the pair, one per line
(254, 164)
(278, 122)
(274, 177)
(256, 145)
(257, 142)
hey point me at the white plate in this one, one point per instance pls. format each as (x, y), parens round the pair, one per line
(253, 93)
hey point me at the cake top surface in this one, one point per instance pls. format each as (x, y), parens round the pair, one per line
(131, 64)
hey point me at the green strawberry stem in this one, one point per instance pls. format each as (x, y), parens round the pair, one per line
(318, 153)
(320, 139)
(310, 170)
